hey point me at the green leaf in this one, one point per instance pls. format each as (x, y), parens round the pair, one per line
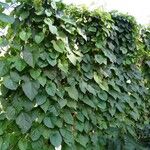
(24, 35)
(123, 49)
(135, 115)
(72, 104)
(51, 61)
(53, 5)
(112, 111)
(19, 64)
(46, 133)
(102, 105)
(23, 144)
(91, 89)
(103, 95)
(55, 138)
(5, 142)
(40, 98)
(51, 88)
(102, 84)
(4, 5)
(35, 73)
(111, 46)
(24, 14)
(81, 33)
(82, 139)
(97, 78)
(68, 117)
(48, 12)
(58, 46)
(92, 29)
(52, 28)
(7, 19)
(80, 116)
(99, 44)
(79, 126)
(72, 92)
(47, 121)
(24, 121)
(39, 38)
(15, 76)
(45, 106)
(1, 142)
(62, 102)
(72, 57)
(30, 89)
(113, 84)
(67, 136)
(9, 83)
(10, 112)
(63, 65)
(42, 80)
(88, 101)
(29, 58)
(4, 68)
(100, 59)
(110, 55)
(83, 86)
(35, 134)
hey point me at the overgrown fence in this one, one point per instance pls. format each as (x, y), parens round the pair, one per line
(74, 78)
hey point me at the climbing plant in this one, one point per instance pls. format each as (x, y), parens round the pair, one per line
(70, 77)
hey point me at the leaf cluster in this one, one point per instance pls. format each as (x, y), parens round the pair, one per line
(70, 78)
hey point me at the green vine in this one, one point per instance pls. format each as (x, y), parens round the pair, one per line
(72, 77)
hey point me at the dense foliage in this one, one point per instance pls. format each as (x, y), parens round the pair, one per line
(72, 77)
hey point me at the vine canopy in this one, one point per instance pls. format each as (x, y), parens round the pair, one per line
(71, 77)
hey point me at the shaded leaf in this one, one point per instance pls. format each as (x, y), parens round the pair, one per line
(23, 144)
(10, 112)
(9, 83)
(35, 134)
(30, 89)
(82, 139)
(51, 88)
(55, 138)
(47, 121)
(24, 121)
(68, 117)
(72, 92)
(4, 68)
(40, 99)
(29, 58)
(42, 80)
(7, 19)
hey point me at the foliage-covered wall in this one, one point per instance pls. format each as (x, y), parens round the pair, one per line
(72, 77)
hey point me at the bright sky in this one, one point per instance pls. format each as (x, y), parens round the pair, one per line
(140, 9)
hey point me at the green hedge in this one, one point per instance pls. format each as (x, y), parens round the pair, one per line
(72, 77)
